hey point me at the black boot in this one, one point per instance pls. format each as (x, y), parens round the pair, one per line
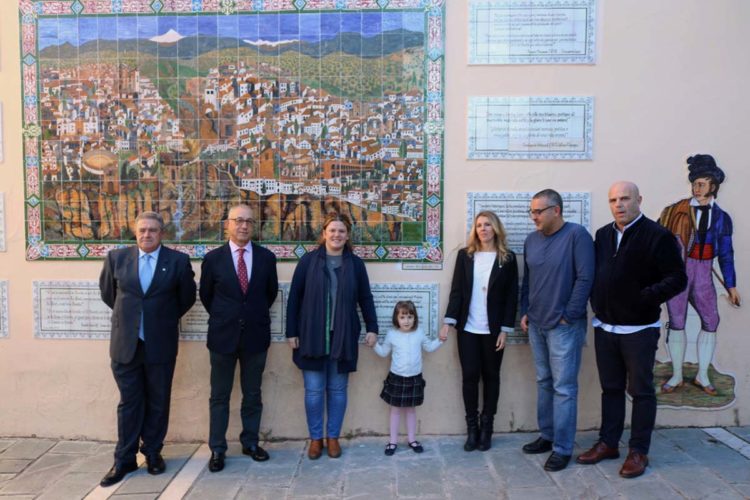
(472, 432)
(485, 436)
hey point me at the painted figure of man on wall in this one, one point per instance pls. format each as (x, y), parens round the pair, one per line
(704, 232)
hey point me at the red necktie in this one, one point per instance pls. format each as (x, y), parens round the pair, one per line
(242, 269)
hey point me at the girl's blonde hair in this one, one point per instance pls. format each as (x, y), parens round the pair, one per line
(500, 241)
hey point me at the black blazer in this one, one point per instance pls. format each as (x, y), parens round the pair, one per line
(502, 292)
(238, 321)
(170, 295)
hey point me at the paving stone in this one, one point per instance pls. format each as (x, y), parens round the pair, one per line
(377, 482)
(143, 482)
(216, 488)
(733, 472)
(741, 432)
(695, 482)
(6, 477)
(582, 482)
(27, 448)
(743, 488)
(73, 486)
(482, 481)
(324, 476)
(267, 475)
(6, 443)
(538, 493)
(519, 470)
(14, 466)
(100, 461)
(253, 493)
(143, 496)
(75, 447)
(419, 478)
(664, 451)
(646, 488)
(43, 472)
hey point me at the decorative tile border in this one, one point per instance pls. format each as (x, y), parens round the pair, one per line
(2, 222)
(4, 311)
(512, 208)
(531, 128)
(38, 247)
(74, 310)
(532, 32)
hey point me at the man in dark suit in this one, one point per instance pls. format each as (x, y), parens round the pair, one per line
(237, 287)
(149, 287)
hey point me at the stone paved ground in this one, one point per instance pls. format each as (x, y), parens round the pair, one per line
(686, 463)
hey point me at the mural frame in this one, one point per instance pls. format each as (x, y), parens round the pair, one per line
(30, 11)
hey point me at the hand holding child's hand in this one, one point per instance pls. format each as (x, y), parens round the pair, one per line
(443, 335)
(371, 339)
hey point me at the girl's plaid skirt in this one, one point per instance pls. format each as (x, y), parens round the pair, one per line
(403, 391)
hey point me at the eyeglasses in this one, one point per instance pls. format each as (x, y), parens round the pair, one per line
(240, 221)
(539, 211)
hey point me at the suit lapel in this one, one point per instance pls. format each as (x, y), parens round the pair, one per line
(469, 272)
(160, 269)
(131, 264)
(253, 267)
(494, 273)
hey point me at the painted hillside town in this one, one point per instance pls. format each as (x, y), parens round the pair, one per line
(185, 112)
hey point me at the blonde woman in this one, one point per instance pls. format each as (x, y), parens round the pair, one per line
(482, 308)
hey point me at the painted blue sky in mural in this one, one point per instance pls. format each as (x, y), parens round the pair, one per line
(308, 27)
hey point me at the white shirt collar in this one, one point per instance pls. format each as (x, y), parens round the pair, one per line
(234, 246)
(694, 203)
(628, 226)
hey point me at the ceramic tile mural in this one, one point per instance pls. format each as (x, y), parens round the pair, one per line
(296, 107)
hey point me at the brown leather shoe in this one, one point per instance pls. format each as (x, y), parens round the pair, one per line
(600, 451)
(334, 448)
(315, 450)
(634, 465)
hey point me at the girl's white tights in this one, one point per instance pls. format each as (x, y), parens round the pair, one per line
(411, 423)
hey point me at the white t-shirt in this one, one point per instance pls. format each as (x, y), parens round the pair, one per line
(478, 322)
(407, 350)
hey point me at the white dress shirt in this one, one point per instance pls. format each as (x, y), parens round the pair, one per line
(247, 255)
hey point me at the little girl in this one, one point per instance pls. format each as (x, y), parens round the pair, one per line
(404, 387)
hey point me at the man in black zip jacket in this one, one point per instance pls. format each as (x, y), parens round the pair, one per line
(638, 267)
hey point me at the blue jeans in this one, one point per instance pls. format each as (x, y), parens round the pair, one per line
(557, 358)
(324, 386)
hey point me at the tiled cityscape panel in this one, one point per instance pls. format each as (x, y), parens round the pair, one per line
(297, 108)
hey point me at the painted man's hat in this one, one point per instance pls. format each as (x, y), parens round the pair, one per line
(704, 166)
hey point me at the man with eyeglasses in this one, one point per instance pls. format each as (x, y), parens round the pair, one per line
(557, 280)
(238, 286)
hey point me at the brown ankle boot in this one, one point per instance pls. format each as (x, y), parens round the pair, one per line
(334, 448)
(315, 450)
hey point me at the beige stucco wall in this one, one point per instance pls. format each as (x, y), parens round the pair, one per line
(670, 80)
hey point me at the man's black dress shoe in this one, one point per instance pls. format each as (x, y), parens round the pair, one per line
(155, 464)
(216, 462)
(256, 453)
(541, 445)
(116, 473)
(556, 462)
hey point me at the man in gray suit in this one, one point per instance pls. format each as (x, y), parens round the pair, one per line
(148, 287)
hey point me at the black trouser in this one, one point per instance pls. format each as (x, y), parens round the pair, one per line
(143, 411)
(222, 379)
(627, 360)
(479, 359)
